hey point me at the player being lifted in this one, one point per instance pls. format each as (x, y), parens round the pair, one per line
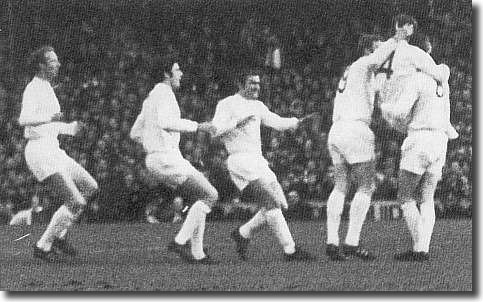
(158, 129)
(69, 181)
(351, 145)
(248, 168)
(423, 112)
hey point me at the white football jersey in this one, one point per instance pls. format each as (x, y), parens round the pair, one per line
(159, 124)
(246, 139)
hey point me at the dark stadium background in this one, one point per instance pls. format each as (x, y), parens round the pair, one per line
(107, 49)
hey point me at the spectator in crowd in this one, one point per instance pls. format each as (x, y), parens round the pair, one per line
(107, 71)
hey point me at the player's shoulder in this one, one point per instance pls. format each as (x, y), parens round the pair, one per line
(161, 89)
(359, 65)
(229, 100)
(35, 83)
(34, 88)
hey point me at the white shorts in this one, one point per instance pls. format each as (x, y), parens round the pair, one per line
(424, 151)
(245, 168)
(351, 142)
(170, 168)
(45, 159)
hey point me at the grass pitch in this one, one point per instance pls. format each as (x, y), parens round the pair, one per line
(133, 257)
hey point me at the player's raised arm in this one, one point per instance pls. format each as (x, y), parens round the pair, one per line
(424, 62)
(382, 53)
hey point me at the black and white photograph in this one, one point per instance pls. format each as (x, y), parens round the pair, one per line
(200, 146)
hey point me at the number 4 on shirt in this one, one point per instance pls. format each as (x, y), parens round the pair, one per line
(386, 67)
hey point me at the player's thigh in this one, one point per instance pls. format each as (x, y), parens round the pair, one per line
(84, 181)
(363, 173)
(197, 187)
(64, 190)
(351, 142)
(429, 182)
(407, 185)
(268, 192)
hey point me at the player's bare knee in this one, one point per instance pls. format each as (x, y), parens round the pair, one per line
(367, 188)
(213, 196)
(75, 208)
(270, 204)
(341, 187)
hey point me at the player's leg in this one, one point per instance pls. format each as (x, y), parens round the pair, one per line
(429, 183)
(272, 197)
(87, 186)
(23, 217)
(177, 209)
(245, 232)
(407, 185)
(339, 142)
(363, 173)
(64, 188)
(414, 162)
(335, 207)
(198, 188)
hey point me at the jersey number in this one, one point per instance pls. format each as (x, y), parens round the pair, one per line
(343, 81)
(387, 70)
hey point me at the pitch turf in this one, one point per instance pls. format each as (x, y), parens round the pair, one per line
(133, 257)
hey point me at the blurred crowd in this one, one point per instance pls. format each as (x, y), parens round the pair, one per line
(106, 74)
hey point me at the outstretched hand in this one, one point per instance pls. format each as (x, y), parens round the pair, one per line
(78, 126)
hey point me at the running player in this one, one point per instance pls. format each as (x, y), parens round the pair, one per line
(69, 181)
(247, 167)
(158, 129)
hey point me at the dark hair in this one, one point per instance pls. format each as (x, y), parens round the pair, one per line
(37, 57)
(420, 40)
(366, 41)
(164, 65)
(244, 73)
(403, 19)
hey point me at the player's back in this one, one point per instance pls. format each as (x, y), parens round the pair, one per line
(354, 100)
(403, 61)
(432, 109)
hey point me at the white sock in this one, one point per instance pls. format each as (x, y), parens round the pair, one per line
(335, 206)
(196, 214)
(279, 226)
(357, 215)
(247, 230)
(413, 221)
(428, 218)
(197, 241)
(61, 220)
